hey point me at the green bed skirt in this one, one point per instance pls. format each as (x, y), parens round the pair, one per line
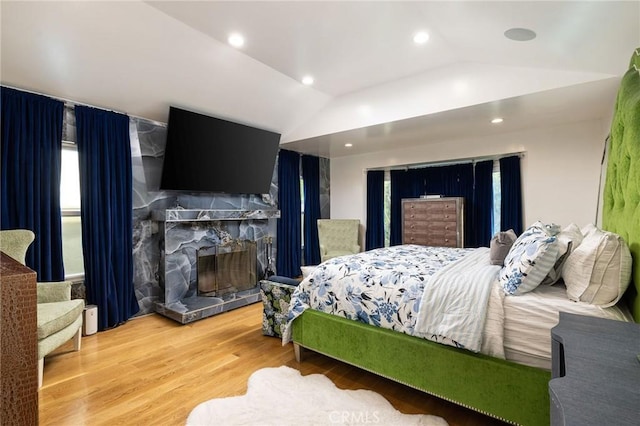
(511, 392)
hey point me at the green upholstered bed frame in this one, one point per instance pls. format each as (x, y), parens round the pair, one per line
(621, 204)
(505, 390)
(511, 392)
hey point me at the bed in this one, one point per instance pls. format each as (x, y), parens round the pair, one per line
(505, 389)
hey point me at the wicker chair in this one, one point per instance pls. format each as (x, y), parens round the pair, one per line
(59, 316)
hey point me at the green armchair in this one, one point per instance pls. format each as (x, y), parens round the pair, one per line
(338, 237)
(59, 316)
(15, 243)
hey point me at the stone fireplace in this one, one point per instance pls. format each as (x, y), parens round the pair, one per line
(212, 260)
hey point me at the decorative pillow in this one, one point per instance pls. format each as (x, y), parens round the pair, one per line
(500, 245)
(550, 228)
(283, 280)
(307, 270)
(589, 229)
(568, 239)
(598, 271)
(529, 261)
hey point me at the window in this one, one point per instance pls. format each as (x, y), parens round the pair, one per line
(387, 208)
(497, 198)
(302, 213)
(70, 206)
(495, 213)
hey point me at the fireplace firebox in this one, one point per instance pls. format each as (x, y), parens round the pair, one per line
(225, 269)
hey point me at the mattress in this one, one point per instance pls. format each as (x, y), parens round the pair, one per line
(528, 319)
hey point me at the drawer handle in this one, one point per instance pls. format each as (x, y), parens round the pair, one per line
(447, 216)
(446, 228)
(412, 216)
(446, 240)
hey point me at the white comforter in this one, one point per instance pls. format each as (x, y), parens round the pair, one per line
(455, 301)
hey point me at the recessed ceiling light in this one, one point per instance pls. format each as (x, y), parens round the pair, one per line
(497, 120)
(520, 34)
(348, 145)
(236, 40)
(420, 37)
(307, 80)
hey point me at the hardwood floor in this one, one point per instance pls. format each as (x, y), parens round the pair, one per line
(154, 371)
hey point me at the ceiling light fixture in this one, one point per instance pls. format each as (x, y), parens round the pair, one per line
(348, 145)
(420, 37)
(497, 120)
(307, 80)
(520, 34)
(236, 40)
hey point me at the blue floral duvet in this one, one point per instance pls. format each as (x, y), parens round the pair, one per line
(383, 287)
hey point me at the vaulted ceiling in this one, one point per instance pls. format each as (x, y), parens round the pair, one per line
(373, 85)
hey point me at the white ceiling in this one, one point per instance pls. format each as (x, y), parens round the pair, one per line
(374, 87)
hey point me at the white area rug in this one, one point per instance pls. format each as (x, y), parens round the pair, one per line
(281, 396)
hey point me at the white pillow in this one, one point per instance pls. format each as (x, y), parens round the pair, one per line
(307, 270)
(530, 259)
(568, 239)
(588, 229)
(598, 271)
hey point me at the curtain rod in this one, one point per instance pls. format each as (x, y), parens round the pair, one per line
(72, 104)
(521, 154)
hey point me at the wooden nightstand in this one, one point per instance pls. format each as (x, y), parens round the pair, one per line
(595, 372)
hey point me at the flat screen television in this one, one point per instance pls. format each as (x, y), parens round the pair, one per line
(208, 154)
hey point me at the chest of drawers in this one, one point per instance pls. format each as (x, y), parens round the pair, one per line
(433, 222)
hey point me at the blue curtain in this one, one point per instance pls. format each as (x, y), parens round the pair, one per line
(511, 194)
(481, 214)
(288, 238)
(404, 184)
(455, 180)
(104, 154)
(30, 182)
(375, 209)
(311, 179)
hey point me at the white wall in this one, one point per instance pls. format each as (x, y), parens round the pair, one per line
(560, 170)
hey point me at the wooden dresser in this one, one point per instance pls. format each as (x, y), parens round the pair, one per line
(433, 221)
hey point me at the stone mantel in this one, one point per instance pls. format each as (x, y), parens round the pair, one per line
(203, 215)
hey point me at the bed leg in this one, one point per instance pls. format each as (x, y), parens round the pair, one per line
(298, 351)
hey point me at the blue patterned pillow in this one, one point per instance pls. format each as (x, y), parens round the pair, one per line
(529, 261)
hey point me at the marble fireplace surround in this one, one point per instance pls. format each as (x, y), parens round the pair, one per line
(185, 231)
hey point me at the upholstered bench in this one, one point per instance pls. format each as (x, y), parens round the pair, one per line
(276, 294)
